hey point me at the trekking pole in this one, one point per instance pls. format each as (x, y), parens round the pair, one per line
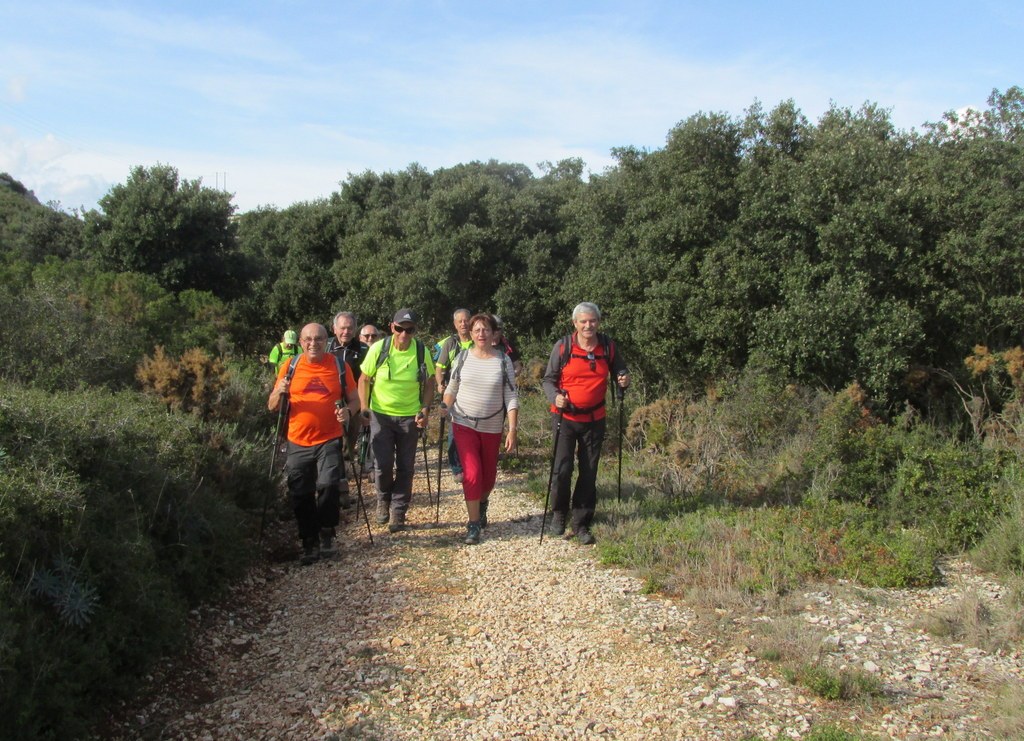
(282, 405)
(621, 394)
(551, 473)
(364, 452)
(440, 443)
(359, 482)
(426, 468)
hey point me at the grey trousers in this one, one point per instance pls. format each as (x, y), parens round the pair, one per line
(394, 458)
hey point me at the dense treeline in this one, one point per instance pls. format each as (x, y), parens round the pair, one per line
(839, 250)
(747, 254)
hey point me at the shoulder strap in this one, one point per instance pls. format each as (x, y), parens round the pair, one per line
(460, 361)
(609, 355)
(565, 351)
(506, 366)
(421, 360)
(385, 350)
(291, 367)
(340, 364)
(421, 366)
(506, 369)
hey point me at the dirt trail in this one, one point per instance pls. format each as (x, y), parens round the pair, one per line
(422, 637)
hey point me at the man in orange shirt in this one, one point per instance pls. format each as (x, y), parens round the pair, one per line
(316, 414)
(576, 381)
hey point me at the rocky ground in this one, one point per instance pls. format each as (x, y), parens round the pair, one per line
(421, 637)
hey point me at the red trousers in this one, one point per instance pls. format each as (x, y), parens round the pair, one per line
(478, 453)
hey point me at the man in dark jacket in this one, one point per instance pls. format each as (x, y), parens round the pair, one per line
(348, 349)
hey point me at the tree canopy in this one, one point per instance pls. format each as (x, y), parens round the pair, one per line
(836, 250)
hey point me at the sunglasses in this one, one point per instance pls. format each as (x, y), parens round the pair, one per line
(403, 330)
(369, 335)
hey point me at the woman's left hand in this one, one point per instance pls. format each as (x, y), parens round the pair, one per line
(510, 441)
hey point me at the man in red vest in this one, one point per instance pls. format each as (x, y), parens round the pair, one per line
(575, 381)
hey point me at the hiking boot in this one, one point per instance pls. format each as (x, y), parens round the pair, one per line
(397, 523)
(310, 551)
(383, 511)
(557, 524)
(483, 513)
(472, 533)
(326, 542)
(584, 536)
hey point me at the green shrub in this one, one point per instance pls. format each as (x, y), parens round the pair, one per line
(829, 732)
(1001, 549)
(949, 488)
(115, 518)
(765, 551)
(834, 685)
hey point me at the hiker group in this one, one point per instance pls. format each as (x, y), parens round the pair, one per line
(369, 396)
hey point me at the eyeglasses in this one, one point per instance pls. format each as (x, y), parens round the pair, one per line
(404, 330)
(369, 335)
(308, 340)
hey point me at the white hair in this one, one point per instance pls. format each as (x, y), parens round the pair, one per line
(585, 307)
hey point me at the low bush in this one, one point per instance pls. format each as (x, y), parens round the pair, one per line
(712, 552)
(1001, 549)
(744, 442)
(116, 517)
(843, 684)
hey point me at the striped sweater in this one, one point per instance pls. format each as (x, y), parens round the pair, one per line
(481, 393)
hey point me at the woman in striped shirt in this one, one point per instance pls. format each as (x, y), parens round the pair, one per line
(481, 390)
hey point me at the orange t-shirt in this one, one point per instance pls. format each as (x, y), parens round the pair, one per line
(311, 397)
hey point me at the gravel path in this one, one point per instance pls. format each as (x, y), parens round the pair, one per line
(421, 637)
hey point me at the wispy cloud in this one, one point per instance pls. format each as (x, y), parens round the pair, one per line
(287, 99)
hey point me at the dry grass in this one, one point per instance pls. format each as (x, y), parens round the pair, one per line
(977, 621)
(1008, 710)
(788, 639)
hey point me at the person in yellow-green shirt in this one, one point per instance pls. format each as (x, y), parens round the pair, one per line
(395, 390)
(284, 350)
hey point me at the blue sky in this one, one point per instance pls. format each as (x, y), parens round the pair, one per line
(280, 101)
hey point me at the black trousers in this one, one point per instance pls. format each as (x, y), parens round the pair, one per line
(582, 441)
(314, 483)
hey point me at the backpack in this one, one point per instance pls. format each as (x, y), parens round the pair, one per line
(505, 365)
(461, 360)
(565, 354)
(282, 353)
(421, 361)
(341, 372)
(444, 348)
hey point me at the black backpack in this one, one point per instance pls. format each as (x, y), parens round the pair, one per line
(565, 353)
